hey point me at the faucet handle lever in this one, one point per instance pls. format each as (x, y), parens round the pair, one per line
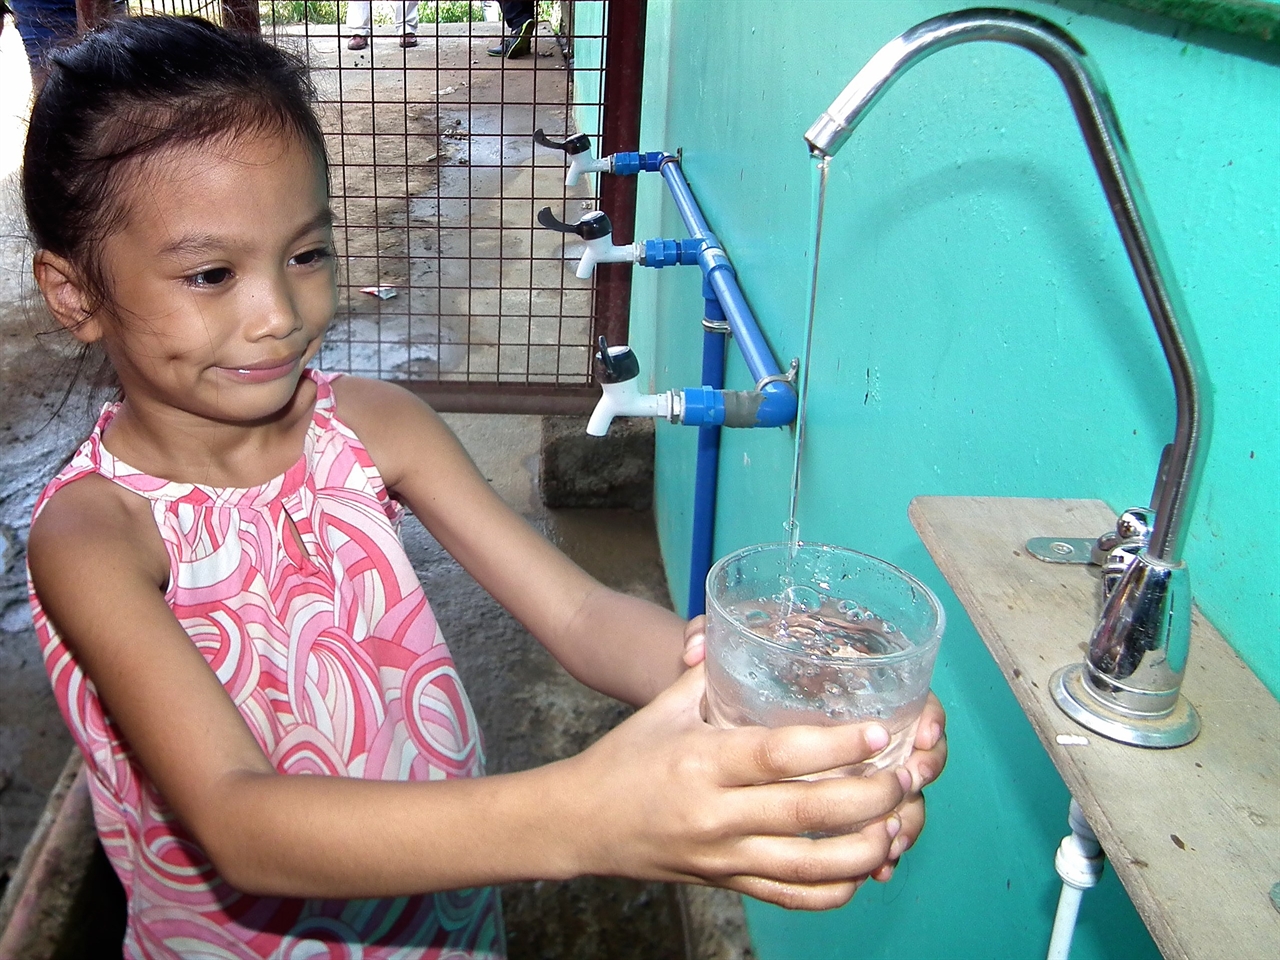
(616, 364)
(577, 150)
(591, 227)
(574, 145)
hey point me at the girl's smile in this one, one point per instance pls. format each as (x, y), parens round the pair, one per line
(263, 372)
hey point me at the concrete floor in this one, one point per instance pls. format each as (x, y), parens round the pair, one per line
(436, 184)
(34, 742)
(532, 712)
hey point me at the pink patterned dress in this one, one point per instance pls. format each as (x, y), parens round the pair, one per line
(334, 659)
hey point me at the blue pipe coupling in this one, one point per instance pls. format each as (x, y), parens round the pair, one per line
(772, 406)
(629, 164)
(671, 253)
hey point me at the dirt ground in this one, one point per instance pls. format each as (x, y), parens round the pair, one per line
(33, 741)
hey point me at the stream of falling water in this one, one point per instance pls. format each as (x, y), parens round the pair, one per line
(818, 202)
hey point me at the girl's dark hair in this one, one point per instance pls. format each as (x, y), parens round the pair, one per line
(133, 87)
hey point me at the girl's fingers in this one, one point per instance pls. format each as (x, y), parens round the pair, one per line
(749, 755)
(809, 874)
(825, 896)
(883, 873)
(833, 805)
(801, 860)
(911, 816)
(695, 634)
(931, 729)
(929, 755)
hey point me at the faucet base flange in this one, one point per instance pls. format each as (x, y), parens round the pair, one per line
(1174, 729)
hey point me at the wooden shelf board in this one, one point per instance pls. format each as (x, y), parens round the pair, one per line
(1192, 832)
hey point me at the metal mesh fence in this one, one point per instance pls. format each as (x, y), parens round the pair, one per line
(447, 280)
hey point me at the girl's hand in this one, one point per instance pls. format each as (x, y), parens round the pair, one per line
(924, 765)
(665, 796)
(695, 636)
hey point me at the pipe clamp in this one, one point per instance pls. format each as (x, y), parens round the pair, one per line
(789, 377)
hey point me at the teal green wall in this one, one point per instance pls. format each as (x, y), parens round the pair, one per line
(588, 80)
(979, 332)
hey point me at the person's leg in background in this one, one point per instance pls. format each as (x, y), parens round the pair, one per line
(519, 17)
(359, 23)
(407, 22)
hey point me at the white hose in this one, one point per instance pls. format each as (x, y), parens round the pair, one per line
(1064, 922)
(1079, 863)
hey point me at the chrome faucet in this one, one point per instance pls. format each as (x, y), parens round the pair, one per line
(1128, 686)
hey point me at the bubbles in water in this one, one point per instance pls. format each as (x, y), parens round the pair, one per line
(852, 612)
(801, 599)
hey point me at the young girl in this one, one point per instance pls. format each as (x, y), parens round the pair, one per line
(224, 604)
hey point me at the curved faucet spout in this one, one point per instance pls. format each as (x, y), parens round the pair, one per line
(1092, 106)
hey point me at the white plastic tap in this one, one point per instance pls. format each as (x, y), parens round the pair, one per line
(581, 163)
(597, 235)
(618, 371)
(625, 400)
(578, 152)
(604, 250)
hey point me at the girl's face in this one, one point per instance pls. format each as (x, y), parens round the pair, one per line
(222, 277)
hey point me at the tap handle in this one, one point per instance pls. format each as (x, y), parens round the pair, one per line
(591, 227)
(573, 146)
(616, 364)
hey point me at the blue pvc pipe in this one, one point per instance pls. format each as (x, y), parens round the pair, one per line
(780, 404)
(724, 301)
(719, 273)
(707, 477)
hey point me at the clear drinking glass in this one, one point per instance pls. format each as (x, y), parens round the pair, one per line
(824, 636)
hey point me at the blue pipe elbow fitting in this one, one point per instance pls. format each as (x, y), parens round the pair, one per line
(779, 406)
(669, 253)
(629, 164)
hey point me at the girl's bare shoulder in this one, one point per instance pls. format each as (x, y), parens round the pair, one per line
(94, 521)
(393, 425)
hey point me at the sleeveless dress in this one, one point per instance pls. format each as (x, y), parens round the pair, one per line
(335, 661)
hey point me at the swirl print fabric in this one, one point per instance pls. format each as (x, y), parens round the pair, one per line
(299, 595)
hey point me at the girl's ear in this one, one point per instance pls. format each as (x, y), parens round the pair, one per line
(65, 294)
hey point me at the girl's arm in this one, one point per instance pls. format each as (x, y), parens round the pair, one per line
(625, 647)
(661, 797)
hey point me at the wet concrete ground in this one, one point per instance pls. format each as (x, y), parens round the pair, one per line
(33, 741)
(530, 710)
(436, 182)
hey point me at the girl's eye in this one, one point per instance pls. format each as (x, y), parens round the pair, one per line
(311, 257)
(210, 278)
